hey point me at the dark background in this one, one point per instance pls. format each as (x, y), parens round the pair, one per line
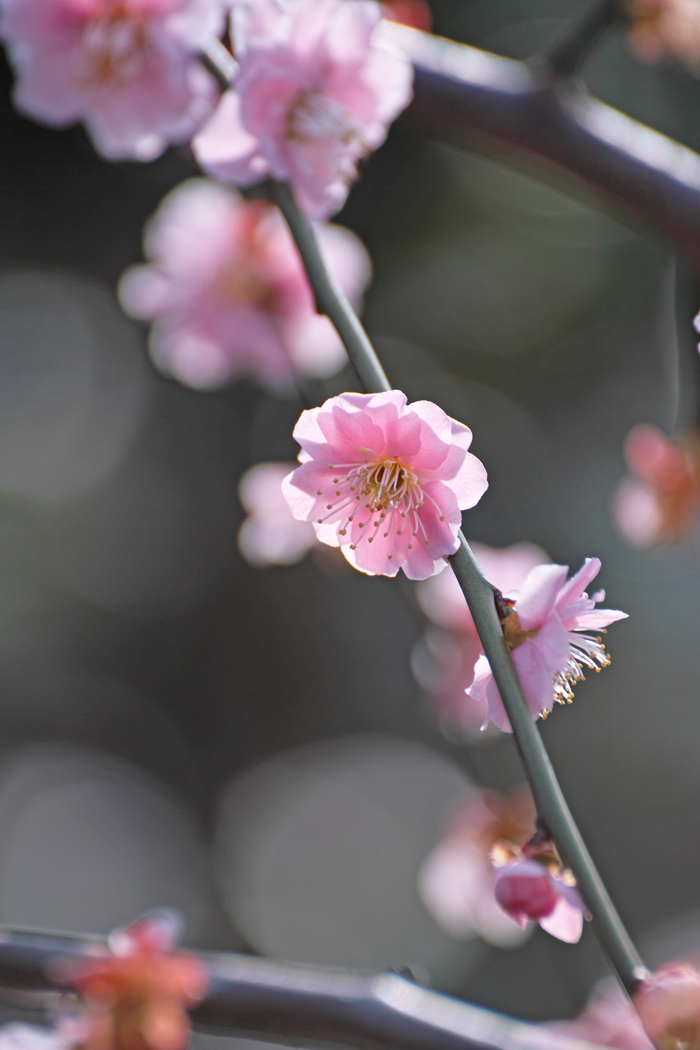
(145, 668)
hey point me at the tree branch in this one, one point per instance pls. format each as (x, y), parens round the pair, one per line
(466, 97)
(268, 999)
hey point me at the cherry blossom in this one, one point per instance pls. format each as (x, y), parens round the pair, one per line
(528, 890)
(227, 292)
(385, 481)
(668, 1004)
(542, 633)
(660, 28)
(271, 535)
(137, 996)
(314, 94)
(443, 662)
(457, 879)
(609, 1019)
(659, 503)
(127, 68)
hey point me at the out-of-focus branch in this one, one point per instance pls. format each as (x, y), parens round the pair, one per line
(269, 999)
(467, 97)
(569, 53)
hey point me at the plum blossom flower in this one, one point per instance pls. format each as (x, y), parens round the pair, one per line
(227, 292)
(659, 503)
(443, 661)
(385, 481)
(137, 996)
(457, 879)
(543, 635)
(315, 92)
(665, 28)
(527, 890)
(609, 1019)
(127, 68)
(668, 1004)
(271, 535)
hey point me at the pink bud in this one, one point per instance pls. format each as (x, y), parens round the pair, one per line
(668, 1004)
(526, 891)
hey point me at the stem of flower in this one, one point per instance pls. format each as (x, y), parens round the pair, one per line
(551, 805)
(568, 55)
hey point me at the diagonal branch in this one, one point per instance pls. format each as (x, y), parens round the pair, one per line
(551, 805)
(297, 1002)
(466, 97)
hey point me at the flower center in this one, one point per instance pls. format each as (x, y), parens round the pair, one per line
(115, 45)
(584, 652)
(514, 634)
(385, 492)
(315, 116)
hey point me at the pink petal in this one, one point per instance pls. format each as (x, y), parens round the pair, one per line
(224, 148)
(578, 583)
(565, 922)
(535, 676)
(539, 594)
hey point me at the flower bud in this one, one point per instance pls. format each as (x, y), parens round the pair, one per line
(525, 891)
(668, 1004)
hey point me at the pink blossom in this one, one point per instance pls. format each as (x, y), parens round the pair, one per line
(457, 879)
(660, 28)
(271, 535)
(609, 1019)
(528, 890)
(444, 661)
(314, 94)
(659, 503)
(668, 1004)
(385, 481)
(127, 68)
(542, 633)
(227, 292)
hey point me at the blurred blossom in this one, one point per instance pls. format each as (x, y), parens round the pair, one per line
(668, 1004)
(314, 94)
(127, 68)
(414, 13)
(227, 292)
(458, 879)
(444, 661)
(659, 504)
(541, 632)
(665, 28)
(271, 535)
(137, 997)
(404, 469)
(609, 1019)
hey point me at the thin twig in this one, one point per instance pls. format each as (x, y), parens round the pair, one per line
(549, 799)
(568, 54)
(263, 998)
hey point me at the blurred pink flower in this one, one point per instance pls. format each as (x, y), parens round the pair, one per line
(414, 13)
(609, 1019)
(457, 880)
(659, 504)
(528, 890)
(271, 535)
(443, 662)
(541, 633)
(668, 1004)
(314, 94)
(227, 292)
(127, 68)
(385, 481)
(661, 28)
(64, 1036)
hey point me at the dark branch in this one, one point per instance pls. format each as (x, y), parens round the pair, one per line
(297, 1002)
(468, 97)
(569, 53)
